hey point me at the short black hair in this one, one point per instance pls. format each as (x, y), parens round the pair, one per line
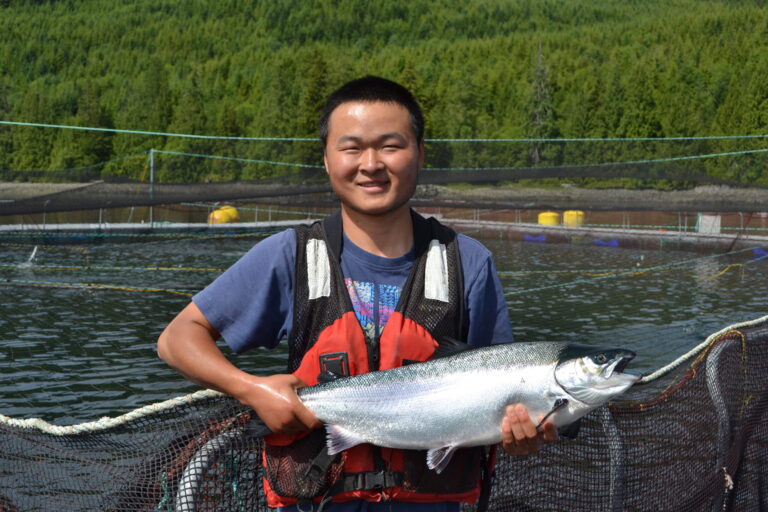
(373, 88)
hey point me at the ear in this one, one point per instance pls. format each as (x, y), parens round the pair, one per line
(325, 162)
(422, 153)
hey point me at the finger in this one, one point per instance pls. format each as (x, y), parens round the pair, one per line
(529, 427)
(523, 434)
(549, 432)
(506, 430)
(307, 417)
(516, 427)
(508, 441)
(525, 422)
(510, 445)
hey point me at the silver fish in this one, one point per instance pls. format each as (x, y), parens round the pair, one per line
(459, 400)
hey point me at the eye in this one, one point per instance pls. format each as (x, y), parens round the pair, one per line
(601, 359)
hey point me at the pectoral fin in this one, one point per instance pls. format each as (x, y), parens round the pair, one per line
(559, 404)
(438, 458)
(339, 439)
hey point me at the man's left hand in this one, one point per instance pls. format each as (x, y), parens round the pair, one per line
(519, 435)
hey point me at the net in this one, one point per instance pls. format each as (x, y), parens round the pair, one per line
(689, 437)
(290, 170)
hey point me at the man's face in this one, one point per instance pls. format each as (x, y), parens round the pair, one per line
(372, 157)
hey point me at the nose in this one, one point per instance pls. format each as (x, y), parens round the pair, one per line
(369, 160)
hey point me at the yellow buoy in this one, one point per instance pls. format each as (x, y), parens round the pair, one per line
(573, 218)
(223, 215)
(549, 218)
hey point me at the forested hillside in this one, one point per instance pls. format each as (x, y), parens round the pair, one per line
(481, 68)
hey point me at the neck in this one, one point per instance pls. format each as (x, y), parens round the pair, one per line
(389, 235)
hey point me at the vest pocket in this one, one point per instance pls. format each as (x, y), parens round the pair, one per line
(297, 470)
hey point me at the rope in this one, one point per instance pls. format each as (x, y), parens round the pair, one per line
(626, 272)
(82, 250)
(603, 164)
(696, 350)
(427, 169)
(85, 167)
(74, 268)
(236, 159)
(610, 139)
(160, 134)
(106, 423)
(95, 286)
(300, 213)
(304, 139)
(740, 266)
(175, 236)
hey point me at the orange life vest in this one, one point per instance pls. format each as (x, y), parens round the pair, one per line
(327, 336)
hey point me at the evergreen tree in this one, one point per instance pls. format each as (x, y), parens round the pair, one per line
(76, 148)
(145, 107)
(6, 133)
(32, 145)
(188, 117)
(542, 120)
(610, 69)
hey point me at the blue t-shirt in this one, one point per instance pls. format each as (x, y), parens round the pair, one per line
(251, 304)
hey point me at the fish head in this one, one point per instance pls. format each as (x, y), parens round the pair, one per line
(594, 375)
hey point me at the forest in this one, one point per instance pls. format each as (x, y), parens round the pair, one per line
(639, 91)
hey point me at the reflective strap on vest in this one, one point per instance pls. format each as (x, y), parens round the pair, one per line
(436, 278)
(318, 269)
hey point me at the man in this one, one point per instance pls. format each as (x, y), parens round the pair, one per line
(373, 287)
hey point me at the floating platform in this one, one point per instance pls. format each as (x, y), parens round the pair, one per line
(124, 231)
(515, 231)
(610, 237)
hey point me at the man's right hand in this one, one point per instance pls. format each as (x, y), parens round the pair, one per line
(275, 400)
(188, 344)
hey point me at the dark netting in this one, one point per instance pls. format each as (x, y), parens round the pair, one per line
(35, 198)
(55, 197)
(691, 439)
(196, 456)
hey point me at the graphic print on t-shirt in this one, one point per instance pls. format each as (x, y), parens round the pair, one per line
(373, 304)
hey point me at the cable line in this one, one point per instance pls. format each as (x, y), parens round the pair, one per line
(306, 139)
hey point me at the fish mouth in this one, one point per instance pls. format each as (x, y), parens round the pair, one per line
(620, 365)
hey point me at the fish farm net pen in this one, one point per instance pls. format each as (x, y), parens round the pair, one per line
(692, 438)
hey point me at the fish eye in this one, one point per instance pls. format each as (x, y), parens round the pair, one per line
(601, 359)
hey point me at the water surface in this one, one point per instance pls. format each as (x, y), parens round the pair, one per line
(72, 354)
